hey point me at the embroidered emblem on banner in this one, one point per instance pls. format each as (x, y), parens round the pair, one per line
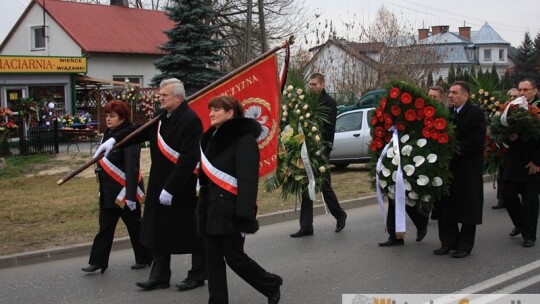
(260, 110)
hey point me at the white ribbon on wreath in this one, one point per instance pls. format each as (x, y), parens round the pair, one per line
(400, 198)
(520, 102)
(307, 166)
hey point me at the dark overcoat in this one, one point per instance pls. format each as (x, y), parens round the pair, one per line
(126, 159)
(466, 199)
(329, 127)
(171, 229)
(233, 149)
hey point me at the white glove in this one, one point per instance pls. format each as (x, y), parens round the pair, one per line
(105, 147)
(131, 205)
(165, 198)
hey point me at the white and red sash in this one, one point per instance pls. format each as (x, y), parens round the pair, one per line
(120, 177)
(167, 151)
(218, 177)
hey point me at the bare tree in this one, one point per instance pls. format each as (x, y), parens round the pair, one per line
(383, 49)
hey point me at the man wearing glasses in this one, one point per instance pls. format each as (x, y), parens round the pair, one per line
(528, 88)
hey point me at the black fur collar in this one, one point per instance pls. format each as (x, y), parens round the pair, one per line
(228, 134)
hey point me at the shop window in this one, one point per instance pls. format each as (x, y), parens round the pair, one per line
(128, 78)
(38, 38)
(56, 94)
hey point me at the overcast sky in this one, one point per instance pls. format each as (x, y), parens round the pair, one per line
(511, 19)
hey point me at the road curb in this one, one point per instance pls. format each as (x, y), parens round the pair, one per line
(65, 252)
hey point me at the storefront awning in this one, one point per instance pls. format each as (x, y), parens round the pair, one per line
(85, 80)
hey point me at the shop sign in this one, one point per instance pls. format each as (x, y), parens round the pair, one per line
(42, 64)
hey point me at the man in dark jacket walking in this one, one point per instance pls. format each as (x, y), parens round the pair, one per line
(169, 215)
(522, 176)
(317, 85)
(464, 203)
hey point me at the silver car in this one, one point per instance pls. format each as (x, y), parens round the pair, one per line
(352, 137)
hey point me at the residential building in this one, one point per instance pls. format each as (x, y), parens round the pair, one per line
(57, 47)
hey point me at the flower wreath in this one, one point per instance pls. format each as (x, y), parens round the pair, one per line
(425, 137)
(521, 118)
(302, 118)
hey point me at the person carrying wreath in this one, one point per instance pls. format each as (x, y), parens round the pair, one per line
(121, 191)
(226, 210)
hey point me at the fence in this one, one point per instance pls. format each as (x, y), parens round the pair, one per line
(35, 140)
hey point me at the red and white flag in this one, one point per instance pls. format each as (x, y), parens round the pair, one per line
(258, 89)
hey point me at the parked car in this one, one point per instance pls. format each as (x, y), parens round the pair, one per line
(352, 137)
(368, 99)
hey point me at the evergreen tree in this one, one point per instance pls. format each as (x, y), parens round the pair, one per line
(459, 73)
(494, 75)
(536, 62)
(506, 81)
(525, 59)
(472, 73)
(480, 74)
(440, 82)
(451, 74)
(192, 49)
(466, 77)
(430, 80)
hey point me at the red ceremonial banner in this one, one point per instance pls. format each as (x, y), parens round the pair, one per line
(257, 88)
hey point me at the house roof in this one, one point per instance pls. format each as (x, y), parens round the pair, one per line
(445, 37)
(487, 35)
(107, 28)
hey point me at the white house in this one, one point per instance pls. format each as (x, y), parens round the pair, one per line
(57, 45)
(351, 66)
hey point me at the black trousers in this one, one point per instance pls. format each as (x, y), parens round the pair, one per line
(524, 212)
(306, 209)
(419, 220)
(452, 236)
(161, 267)
(108, 218)
(230, 249)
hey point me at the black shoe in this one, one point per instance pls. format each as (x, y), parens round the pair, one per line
(458, 254)
(442, 251)
(302, 233)
(421, 234)
(140, 266)
(528, 243)
(341, 222)
(152, 284)
(189, 284)
(500, 205)
(515, 231)
(392, 242)
(93, 268)
(274, 299)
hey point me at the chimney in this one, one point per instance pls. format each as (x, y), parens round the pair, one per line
(124, 3)
(422, 34)
(439, 29)
(465, 32)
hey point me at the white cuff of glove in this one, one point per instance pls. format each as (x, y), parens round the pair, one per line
(165, 198)
(131, 205)
(105, 147)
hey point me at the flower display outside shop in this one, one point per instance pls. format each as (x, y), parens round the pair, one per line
(81, 119)
(7, 128)
(412, 145)
(147, 102)
(302, 119)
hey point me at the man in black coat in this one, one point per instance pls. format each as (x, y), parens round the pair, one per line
(168, 225)
(522, 177)
(465, 200)
(317, 85)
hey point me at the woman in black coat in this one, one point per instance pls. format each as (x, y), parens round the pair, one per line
(227, 201)
(121, 190)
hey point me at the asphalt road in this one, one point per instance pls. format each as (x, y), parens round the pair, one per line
(317, 269)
